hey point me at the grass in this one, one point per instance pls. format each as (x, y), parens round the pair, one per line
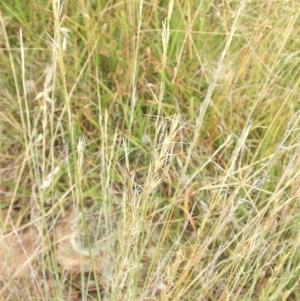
(149, 150)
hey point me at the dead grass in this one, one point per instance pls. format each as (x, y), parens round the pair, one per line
(149, 151)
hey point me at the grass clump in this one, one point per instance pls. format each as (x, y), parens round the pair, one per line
(149, 151)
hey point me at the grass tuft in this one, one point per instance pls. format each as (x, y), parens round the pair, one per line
(149, 151)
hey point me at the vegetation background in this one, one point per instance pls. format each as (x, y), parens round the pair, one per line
(149, 150)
